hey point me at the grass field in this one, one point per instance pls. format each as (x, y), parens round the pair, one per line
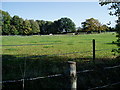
(23, 53)
(59, 44)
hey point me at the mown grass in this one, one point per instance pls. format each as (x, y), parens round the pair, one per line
(58, 44)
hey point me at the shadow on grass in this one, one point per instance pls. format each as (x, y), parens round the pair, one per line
(34, 66)
(111, 43)
(13, 68)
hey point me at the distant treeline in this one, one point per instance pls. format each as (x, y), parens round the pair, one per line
(18, 26)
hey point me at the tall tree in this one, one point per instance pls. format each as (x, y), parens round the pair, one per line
(1, 23)
(114, 10)
(5, 23)
(48, 27)
(66, 25)
(91, 25)
(56, 27)
(17, 22)
(35, 27)
(27, 30)
(41, 24)
(13, 30)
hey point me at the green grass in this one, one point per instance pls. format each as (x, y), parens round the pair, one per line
(59, 44)
(15, 57)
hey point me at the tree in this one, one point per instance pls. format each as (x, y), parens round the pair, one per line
(13, 30)
(48, 27)
(53, 28)
(35, 27)
(5, 23)
(56, 27)
(1, 23)
(115, 10)
(112, 29)
(17, 22)
(18, 26)
(41, 24)
(6, 29)
(91, 25)
(65, 25)
(105, 28)
(27, 30)
(114, 6)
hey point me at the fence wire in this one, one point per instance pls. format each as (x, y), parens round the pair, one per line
(56, 75)
(100, 87)
(66, 53)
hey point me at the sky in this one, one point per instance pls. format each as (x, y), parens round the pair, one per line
(50, 11)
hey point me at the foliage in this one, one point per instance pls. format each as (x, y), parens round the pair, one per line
(27, 30)
(34, 26)
(41, 24)
(1, 23)
(115, 10)
(30, 27)
(105, 28)
(114, 6)
(13, 30)
(48, 27)
(5, 23)
(93, 25)
(17, 22)
(66, 25)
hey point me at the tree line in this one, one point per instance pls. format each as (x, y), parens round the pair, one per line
(18, 26)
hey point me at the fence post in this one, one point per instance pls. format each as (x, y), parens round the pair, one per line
(23, 83)
(93, 50)
(72, 75)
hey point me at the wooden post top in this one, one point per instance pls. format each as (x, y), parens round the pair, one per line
(71, 62)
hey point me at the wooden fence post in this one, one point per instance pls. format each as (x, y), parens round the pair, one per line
(93, 50)
(72, 75)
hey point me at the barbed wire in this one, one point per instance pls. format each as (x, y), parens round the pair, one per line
(49, 76)
(56, 75)
(111, 67)
(84, 71)
(104, 86)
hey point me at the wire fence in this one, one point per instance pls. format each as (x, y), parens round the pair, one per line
(60, 75)
(67, 53)
(57, 75)
(105, 86)
(58, 54)
(49, 76)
